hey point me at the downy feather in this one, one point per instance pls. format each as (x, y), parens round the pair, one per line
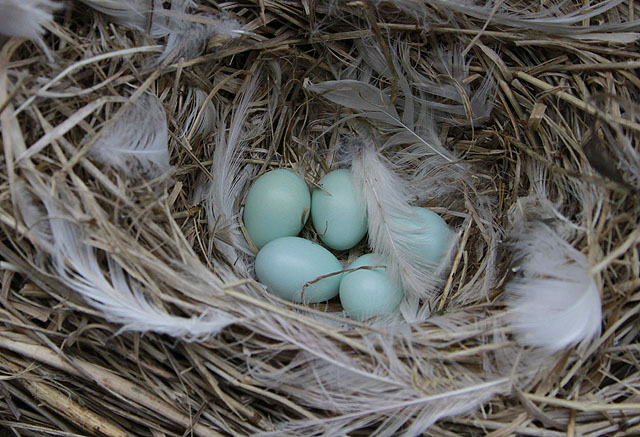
(24, 18)
(136, 141)
(393, 395)
(454, 68)
(387, 198)
(109, 290)
(142, 15)
(554, 301)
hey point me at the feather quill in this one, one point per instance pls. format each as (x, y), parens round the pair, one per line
(136, 142)
(112, 291)
(24, 18)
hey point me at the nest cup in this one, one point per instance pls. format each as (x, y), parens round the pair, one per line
(131, 132)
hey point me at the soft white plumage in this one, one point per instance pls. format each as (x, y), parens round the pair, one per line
(24, 18)
(136, 141)
(410, 395)
(111, 291)
(386, 198)
(555, 302)
(142, 15)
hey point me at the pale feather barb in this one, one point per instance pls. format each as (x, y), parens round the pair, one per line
(112, 291)
(142, 15)
(463, 104)
(221, 195)
(437, 172)
(185, 30)
(136, 142)
(555, 303)
(381, 396)
(199, 117)
(391, 229)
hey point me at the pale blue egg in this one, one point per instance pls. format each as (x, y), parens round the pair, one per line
(277, 206)
(367, 293)
(290, 267)
(338, 217)
(429, 234)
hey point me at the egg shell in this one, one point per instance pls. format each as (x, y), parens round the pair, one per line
(369, 292)
(286, 264)
(277, 205)
(432, 236)
(337, 215)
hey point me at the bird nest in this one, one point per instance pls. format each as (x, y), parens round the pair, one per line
(131, 132)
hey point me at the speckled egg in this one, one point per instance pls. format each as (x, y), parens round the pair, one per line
(367, 293)
(277, 205)
(337, 215)
(290, 267)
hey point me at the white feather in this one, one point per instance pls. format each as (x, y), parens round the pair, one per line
(109, 290)
(136, 141)
(394, 394)
(24, 18)
(143, 15)
(555, 302)
(386, 198)
(221, 195)
(451, 69)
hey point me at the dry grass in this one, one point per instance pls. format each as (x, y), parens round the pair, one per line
(563, 102)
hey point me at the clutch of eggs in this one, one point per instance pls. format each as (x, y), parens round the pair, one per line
(276, 209)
